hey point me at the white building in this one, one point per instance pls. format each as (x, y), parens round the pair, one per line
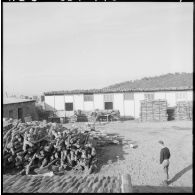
(126, 101)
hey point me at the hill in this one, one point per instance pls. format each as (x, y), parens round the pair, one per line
(176, 80)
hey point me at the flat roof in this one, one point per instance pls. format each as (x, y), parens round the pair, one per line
(16, 100)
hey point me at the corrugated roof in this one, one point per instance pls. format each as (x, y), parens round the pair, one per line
(15, 100)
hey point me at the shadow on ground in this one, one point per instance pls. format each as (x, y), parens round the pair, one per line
(168, 189)
(181, 128)
(178, 175)
(161, 189)
(110, 153)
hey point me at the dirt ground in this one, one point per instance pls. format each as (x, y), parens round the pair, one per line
(142, 163)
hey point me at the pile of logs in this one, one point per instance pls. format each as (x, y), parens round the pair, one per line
(155, 110)
(35, 147)
(183, 110)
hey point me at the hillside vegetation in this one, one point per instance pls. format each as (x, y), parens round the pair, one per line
(176, 80)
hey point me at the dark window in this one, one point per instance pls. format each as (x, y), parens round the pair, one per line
(108, 105)
(88, 97)
(11, 113)
(69, 106)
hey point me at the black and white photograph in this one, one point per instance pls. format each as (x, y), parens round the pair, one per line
(97, 97)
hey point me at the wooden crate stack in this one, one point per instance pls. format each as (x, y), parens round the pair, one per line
(155, 110)
(183, 110)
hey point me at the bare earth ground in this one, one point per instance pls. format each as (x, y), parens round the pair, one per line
(142, 163)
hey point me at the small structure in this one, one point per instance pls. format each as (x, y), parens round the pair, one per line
(16, 108)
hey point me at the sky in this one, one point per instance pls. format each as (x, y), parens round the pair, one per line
(66, 46)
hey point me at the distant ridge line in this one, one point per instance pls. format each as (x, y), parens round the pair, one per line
(166, 82)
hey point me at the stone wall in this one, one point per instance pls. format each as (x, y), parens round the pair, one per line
(28, 109)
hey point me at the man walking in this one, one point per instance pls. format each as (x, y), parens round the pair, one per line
(164, 160)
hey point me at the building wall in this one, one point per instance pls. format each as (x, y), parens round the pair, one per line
(68, 98)
(119, 103)
(88, 106)
(171, 98)
(126, 107)
(129, 108)
(99, 101)
(190, 95)
(159, 95)
(49, 103)
(28, 109)
(78, 102)
(59, 102)
(137, 98)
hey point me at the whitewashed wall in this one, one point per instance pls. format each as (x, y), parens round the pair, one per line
(129, 109)
(126, 107)
(171, 99)
(137, 98)
(190, 95)
(159, 95)
(78, 102)
(99, 101)
(88, 106)
(49, 102)
(68, 98)
(118, 103)
(59, 102)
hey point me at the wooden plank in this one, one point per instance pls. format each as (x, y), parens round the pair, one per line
(126, 186)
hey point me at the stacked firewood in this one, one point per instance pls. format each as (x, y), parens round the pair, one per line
(28, 146)
(183, 110)
(155, 110)
(35, 147)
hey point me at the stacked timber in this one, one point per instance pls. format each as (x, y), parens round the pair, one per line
(155, 110)
(39, 147)
(93, 116)
(183, 110)
(82, 116)
(113, 115)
